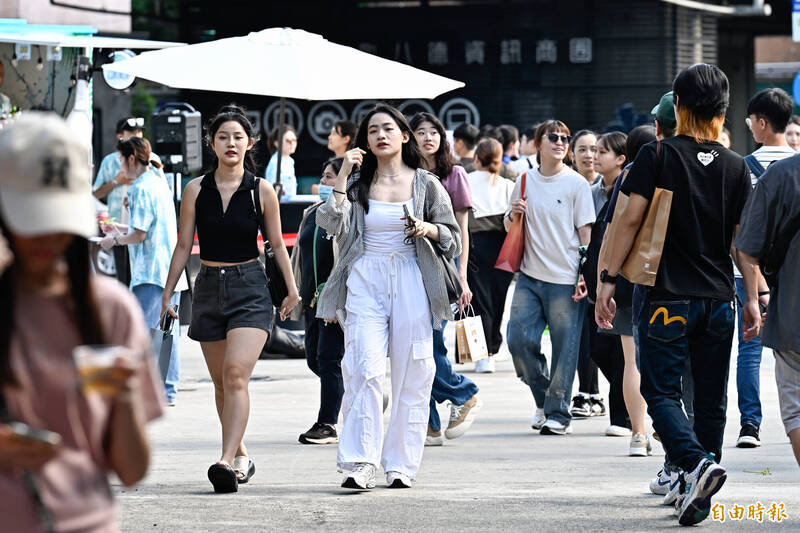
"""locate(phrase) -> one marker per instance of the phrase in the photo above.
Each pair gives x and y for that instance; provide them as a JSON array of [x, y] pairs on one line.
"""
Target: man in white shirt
[[527, 151], [768, 114]]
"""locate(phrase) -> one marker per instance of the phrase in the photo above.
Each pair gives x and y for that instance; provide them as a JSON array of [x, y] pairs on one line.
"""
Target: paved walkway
[[500, 476]]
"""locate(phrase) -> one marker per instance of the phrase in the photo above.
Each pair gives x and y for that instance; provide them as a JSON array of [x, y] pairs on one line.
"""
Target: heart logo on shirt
[[705, 158]]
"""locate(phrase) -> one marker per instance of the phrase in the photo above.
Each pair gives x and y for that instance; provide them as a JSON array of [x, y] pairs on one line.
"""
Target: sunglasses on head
[[135, 122], [555, 137]]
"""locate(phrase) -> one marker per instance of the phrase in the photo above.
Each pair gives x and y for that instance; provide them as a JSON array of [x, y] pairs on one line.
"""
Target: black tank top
[[228, 237]]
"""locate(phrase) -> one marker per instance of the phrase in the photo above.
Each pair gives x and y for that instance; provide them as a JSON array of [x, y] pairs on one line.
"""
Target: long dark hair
[[86, 311], [443, 158], [411, 153], [234, 113]]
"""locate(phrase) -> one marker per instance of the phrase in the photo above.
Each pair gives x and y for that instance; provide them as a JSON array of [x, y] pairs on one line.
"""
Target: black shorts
[[230, 297]]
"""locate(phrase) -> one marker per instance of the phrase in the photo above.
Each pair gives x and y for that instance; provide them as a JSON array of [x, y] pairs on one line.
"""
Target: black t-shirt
[[305, 240], [709, 185]]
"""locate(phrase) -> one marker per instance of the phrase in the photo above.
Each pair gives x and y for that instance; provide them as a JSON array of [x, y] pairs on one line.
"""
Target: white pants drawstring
[[386, 315]]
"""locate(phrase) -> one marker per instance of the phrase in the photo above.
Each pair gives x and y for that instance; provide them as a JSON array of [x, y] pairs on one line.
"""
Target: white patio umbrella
[[286, 63]]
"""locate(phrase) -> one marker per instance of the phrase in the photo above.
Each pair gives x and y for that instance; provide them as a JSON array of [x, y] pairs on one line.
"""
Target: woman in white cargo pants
[[386, 287]]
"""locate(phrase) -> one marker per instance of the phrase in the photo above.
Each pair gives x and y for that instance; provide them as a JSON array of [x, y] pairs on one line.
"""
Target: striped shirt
[[346, 222], [766, 155]]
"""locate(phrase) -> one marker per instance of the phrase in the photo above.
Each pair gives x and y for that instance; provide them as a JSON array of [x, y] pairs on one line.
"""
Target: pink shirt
[[457, 186], [74, 485]]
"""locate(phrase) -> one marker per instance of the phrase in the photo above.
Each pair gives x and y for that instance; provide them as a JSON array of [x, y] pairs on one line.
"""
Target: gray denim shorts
[[230, 297], [787, 376]]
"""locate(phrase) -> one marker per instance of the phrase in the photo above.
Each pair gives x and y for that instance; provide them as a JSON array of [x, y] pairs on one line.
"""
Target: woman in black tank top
[[231, 307]]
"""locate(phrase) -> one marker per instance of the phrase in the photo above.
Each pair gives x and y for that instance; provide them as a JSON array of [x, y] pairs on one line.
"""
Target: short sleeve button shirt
[[152, 211]]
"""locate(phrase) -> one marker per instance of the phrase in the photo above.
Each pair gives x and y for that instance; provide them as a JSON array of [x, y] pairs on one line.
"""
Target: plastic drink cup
[[94, 361]]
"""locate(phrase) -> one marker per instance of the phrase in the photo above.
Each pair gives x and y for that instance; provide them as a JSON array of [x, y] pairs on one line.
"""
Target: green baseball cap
[[665, 111]]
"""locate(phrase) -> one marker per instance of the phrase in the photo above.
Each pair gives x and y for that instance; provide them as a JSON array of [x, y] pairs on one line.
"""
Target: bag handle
[[256, 196], [466, 312]]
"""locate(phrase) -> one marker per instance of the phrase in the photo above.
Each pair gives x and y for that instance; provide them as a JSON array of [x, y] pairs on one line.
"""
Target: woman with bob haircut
[[386, 288], [448, 385], [558, 211], [689, 312], [231, 306]]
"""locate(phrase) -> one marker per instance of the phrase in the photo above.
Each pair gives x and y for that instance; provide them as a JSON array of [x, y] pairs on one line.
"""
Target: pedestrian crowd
[[405, 237]]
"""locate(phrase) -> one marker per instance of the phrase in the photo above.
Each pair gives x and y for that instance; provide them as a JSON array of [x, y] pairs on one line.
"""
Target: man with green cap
[[664, 114]]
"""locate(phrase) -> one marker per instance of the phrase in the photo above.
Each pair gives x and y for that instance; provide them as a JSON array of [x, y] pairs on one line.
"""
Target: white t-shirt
[[489, 198], [556, 207], [766, 155]]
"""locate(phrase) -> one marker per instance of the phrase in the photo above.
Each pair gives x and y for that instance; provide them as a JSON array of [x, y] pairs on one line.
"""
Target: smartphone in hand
[[23, 431]]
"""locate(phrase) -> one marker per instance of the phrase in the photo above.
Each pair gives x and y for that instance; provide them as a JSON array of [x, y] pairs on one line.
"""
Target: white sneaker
[[538, 419], [661, 483], [485, 365], [701, 484], [640, 446], [397, 480], [617, 431], [675, 488], [362, 477], [554, 427]]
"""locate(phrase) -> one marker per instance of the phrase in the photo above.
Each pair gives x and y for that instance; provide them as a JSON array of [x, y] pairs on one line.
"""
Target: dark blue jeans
[[672, 330], [537, 304], [748, 366], [447, 383], [324, 351]]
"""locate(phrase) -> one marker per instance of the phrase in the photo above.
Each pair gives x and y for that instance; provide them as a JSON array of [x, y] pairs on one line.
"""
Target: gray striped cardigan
[[346, 223]]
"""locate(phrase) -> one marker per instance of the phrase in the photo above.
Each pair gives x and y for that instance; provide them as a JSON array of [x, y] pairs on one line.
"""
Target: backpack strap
[[756, 168]]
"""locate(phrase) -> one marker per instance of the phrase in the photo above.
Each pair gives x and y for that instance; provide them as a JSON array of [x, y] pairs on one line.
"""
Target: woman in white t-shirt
[[491, 197], [550, 291]]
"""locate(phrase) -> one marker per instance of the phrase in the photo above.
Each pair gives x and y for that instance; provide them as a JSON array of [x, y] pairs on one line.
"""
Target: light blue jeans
[[149, 297], [748, 367], [537, 304]]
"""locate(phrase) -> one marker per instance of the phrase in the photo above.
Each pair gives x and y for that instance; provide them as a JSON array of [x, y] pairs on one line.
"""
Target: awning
[[84, 41]]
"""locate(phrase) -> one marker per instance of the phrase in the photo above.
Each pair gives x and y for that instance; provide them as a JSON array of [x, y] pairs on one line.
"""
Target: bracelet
[[763, 293], [339, 192], [116, 240]]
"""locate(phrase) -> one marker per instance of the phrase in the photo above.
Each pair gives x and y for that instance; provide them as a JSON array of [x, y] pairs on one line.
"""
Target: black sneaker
[[581, 407], [748, 437], [320, 434], [598, 407]]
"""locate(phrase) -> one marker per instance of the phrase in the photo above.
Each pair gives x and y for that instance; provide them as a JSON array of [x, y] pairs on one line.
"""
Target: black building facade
[[598, 64]]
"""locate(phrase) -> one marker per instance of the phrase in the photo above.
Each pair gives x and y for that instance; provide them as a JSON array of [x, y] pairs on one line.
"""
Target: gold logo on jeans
[[666, 317]]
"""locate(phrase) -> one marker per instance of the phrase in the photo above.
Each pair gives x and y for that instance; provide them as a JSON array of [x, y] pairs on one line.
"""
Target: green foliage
[[143, 104]]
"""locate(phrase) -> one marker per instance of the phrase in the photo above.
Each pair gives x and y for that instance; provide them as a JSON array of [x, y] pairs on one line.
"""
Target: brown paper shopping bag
[[641, 265], [470, 340]]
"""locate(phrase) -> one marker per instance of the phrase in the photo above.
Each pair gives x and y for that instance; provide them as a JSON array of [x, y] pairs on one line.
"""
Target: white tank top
[[384, 228]]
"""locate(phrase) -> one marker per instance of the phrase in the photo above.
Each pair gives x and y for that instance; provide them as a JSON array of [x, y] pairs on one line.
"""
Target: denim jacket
[[346, 223]]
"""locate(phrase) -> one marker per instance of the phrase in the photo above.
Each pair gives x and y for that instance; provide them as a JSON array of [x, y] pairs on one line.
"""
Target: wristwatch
[[116, 240], [605, 277]]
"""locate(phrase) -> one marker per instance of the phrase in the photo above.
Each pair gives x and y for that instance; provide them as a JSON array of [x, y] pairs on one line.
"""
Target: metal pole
[[281, 125]]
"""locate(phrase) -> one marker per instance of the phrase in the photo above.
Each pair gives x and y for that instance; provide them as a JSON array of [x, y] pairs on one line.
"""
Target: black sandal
[[223, 477], [244, 467]]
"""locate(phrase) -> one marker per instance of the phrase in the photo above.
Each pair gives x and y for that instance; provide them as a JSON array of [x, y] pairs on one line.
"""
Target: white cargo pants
[[387, 314]]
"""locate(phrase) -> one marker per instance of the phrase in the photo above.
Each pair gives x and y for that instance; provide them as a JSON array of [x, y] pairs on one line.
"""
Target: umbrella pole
[[281, 124]]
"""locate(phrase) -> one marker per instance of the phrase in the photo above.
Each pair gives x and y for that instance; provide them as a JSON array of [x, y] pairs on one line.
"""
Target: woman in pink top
[[448, 384], [49, 304]]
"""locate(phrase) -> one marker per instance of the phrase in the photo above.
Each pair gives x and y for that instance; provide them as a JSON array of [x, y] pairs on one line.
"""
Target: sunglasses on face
[[748, 122], [555, 137], [135, 122]]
